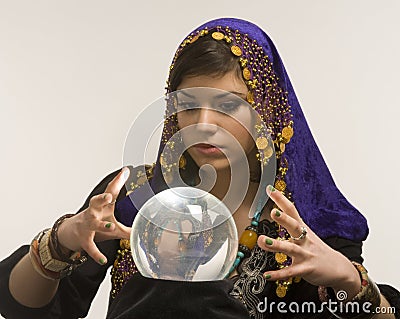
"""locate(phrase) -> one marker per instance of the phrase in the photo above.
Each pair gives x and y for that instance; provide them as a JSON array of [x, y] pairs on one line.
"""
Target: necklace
[[247, 242]]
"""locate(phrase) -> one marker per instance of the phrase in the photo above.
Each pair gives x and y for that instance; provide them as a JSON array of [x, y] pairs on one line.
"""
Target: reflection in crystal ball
[[184, 234]]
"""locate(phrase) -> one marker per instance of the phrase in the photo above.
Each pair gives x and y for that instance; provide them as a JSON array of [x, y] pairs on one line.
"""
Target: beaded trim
[[141, 177], [124, 267]]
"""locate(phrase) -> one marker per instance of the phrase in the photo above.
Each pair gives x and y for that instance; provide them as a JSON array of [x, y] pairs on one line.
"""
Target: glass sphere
[[184, 234]]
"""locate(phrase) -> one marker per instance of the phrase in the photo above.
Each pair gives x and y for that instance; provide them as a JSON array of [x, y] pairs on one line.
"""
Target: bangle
[[45, 262], [46, 257], [369, 292], [362, 306], [74, 258], [54, 238], [36, 260]]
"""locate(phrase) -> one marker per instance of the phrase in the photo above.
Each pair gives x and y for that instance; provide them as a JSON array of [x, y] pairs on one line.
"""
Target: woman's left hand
[[312, 259]]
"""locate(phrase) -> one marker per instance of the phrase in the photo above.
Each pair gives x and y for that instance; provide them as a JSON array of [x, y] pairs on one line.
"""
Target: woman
[[237, 57]]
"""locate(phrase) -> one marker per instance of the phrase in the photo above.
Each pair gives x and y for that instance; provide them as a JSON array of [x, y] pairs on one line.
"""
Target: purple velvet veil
[[320, 203]]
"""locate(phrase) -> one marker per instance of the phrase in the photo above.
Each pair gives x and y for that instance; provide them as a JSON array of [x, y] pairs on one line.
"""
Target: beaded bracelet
[[362, 306]]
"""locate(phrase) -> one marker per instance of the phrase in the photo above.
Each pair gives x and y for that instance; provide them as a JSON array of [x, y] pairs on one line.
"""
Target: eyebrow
[[186, 94], [240, 94]]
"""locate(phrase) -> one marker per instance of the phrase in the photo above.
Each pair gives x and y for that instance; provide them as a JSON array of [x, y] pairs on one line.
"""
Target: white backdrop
[[74, 75]]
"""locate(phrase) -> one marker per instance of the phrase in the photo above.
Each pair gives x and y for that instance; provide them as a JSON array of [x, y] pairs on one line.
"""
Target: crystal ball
[[184, 234]]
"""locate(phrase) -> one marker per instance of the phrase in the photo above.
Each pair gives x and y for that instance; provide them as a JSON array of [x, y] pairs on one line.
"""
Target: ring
[[302, 235], [113, 202]]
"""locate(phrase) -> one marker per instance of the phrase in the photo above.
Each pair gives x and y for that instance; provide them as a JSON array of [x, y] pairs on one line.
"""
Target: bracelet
[[42, 250], [46, 258], [362, 306], [368, 287], [36, 260], [54, 238], [74, 258]]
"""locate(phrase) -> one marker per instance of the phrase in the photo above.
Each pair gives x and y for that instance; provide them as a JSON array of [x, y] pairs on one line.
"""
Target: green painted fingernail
[[102, 261], [267, 276], [277, 213], [271, 188], [268, 241], [108, 225]]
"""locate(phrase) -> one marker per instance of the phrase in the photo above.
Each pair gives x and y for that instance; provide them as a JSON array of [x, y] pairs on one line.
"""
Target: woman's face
[[210, 120]]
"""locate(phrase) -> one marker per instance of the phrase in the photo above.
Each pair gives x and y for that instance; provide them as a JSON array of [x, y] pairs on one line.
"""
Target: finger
[[293, 226], [286, 272], [114, 187], [97, 202], [284, 246], [283, 203], [92, 250], [119, 232], [123, 232], [117, 228]]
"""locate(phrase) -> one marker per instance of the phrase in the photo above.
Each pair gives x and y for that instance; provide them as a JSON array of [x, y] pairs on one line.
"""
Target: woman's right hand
[[96, 223]]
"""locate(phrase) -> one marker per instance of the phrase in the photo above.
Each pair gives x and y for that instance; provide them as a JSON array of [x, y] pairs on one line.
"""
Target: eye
[[186, 105], [229, 106]]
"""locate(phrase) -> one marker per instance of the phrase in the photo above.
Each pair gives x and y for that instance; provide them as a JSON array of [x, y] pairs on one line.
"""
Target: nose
[[206, 120]]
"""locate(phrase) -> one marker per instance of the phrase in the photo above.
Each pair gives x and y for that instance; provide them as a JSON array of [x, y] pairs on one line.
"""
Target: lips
[[207, 149]]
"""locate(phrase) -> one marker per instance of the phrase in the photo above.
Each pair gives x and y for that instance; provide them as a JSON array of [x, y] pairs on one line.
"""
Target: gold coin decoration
[[287, 132], [250, 97], [217, 35], [280, 257], [281, 291], [268, 152], [236, 50], [246, 74], [261, 143], [182, 162], [297, 279], [280, 185], [282, 147]]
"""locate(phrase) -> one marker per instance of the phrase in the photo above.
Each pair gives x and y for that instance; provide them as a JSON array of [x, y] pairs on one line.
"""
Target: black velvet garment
[[148, 298]]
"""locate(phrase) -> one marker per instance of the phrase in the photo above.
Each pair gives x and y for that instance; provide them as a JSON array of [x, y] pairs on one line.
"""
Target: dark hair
[[211, 57], [205, 56]]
